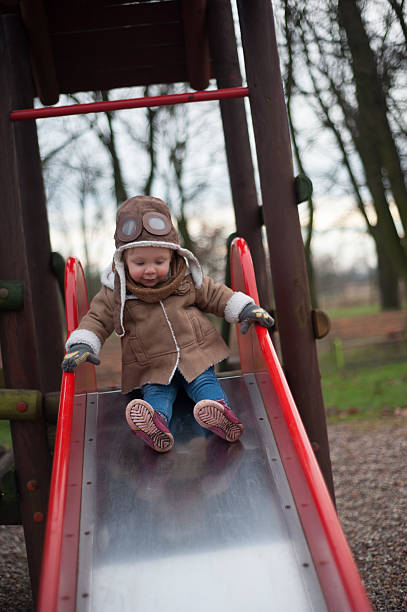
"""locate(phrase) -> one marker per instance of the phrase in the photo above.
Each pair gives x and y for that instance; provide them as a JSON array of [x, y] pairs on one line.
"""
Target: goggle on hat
[[144, 219], [130, 228]]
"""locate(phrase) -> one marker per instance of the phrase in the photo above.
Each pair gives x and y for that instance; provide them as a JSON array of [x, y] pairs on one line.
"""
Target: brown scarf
[[163, 289]]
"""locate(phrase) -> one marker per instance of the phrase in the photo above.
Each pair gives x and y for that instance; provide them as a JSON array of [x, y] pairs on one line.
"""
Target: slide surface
[[207, 526]]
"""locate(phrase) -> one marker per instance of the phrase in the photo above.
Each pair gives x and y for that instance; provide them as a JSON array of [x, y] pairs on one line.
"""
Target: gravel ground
[[369, 468], [15, 589], [371, 490]]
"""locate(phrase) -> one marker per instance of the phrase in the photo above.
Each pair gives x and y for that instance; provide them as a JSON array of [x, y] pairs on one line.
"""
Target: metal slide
[[207, 526]]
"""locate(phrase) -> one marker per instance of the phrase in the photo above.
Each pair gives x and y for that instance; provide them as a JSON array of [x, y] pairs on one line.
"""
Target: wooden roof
[[85, 45]]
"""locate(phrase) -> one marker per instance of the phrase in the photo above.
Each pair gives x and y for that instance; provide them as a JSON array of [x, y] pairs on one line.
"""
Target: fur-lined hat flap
[[145, 221]]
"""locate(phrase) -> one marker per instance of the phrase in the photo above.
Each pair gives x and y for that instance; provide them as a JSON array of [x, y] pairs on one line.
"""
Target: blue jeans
[[162, 397]]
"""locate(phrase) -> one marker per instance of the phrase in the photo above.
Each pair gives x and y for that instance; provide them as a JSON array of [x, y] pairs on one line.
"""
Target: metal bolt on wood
[[38, 517], [20, 404], [32, 485], [11, 295]]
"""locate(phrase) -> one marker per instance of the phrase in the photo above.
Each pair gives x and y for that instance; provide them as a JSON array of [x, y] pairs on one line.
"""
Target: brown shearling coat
[[160, 337]]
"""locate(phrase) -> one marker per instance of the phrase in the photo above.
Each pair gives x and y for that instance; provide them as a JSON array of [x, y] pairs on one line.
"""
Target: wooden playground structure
[[51, 48]]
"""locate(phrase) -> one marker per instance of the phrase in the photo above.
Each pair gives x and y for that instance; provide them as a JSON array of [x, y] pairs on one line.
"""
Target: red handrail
[[51, 559], [111, 105], [335, 537], [76, 304]]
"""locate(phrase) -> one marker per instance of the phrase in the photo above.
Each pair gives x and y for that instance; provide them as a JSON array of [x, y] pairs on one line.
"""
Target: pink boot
[[149, 425], [219, 418]]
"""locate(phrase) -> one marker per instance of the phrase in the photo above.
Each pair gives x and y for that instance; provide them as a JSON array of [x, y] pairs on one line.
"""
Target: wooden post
[[286, 249], [31, 338], [225, 61]]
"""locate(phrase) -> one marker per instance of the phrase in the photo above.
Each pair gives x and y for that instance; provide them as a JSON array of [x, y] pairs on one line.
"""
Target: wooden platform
[[105, 44]]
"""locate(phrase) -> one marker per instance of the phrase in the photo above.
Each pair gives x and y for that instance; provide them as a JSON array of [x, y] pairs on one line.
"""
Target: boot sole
[[139, 416], [211, 415]]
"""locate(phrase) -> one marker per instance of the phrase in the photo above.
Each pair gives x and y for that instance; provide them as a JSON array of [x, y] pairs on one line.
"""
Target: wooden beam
[[81, 16], [7, 5], [31, 338], [196, 42], [130, 45], [41, 54], [223, 49], [115, 49], [281, 218], [100, 79]]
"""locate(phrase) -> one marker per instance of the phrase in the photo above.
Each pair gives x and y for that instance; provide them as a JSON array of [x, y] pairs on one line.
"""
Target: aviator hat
[[146, 221]]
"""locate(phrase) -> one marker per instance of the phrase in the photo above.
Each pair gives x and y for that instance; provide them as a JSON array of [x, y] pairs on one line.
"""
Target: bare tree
[[106, 133], [148, 152], [350, 81], [399, 9]]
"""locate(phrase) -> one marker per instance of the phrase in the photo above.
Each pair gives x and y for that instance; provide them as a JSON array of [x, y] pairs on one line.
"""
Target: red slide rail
[[112, 105], [258, 355], [84, 380]]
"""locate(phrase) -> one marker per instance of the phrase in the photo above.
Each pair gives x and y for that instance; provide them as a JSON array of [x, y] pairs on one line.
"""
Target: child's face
[[148, 265]]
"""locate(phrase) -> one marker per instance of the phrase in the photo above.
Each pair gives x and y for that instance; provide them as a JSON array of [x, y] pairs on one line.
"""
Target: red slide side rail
[[243, 279], [84, 380], [112, 105]]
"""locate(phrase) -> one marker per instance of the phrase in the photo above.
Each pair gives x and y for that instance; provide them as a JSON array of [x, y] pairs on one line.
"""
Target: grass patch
[[368, 356], [5, 435], [366, 392], [358, 310], [343, 312]]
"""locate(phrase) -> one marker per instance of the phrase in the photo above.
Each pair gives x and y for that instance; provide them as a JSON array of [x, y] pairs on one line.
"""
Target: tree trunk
[[372, 105], [152, 117], [388, 237], [388, 281], [110, 143]]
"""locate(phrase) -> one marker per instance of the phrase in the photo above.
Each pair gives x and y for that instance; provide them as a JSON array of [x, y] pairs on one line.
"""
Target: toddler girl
[[154, 296]]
